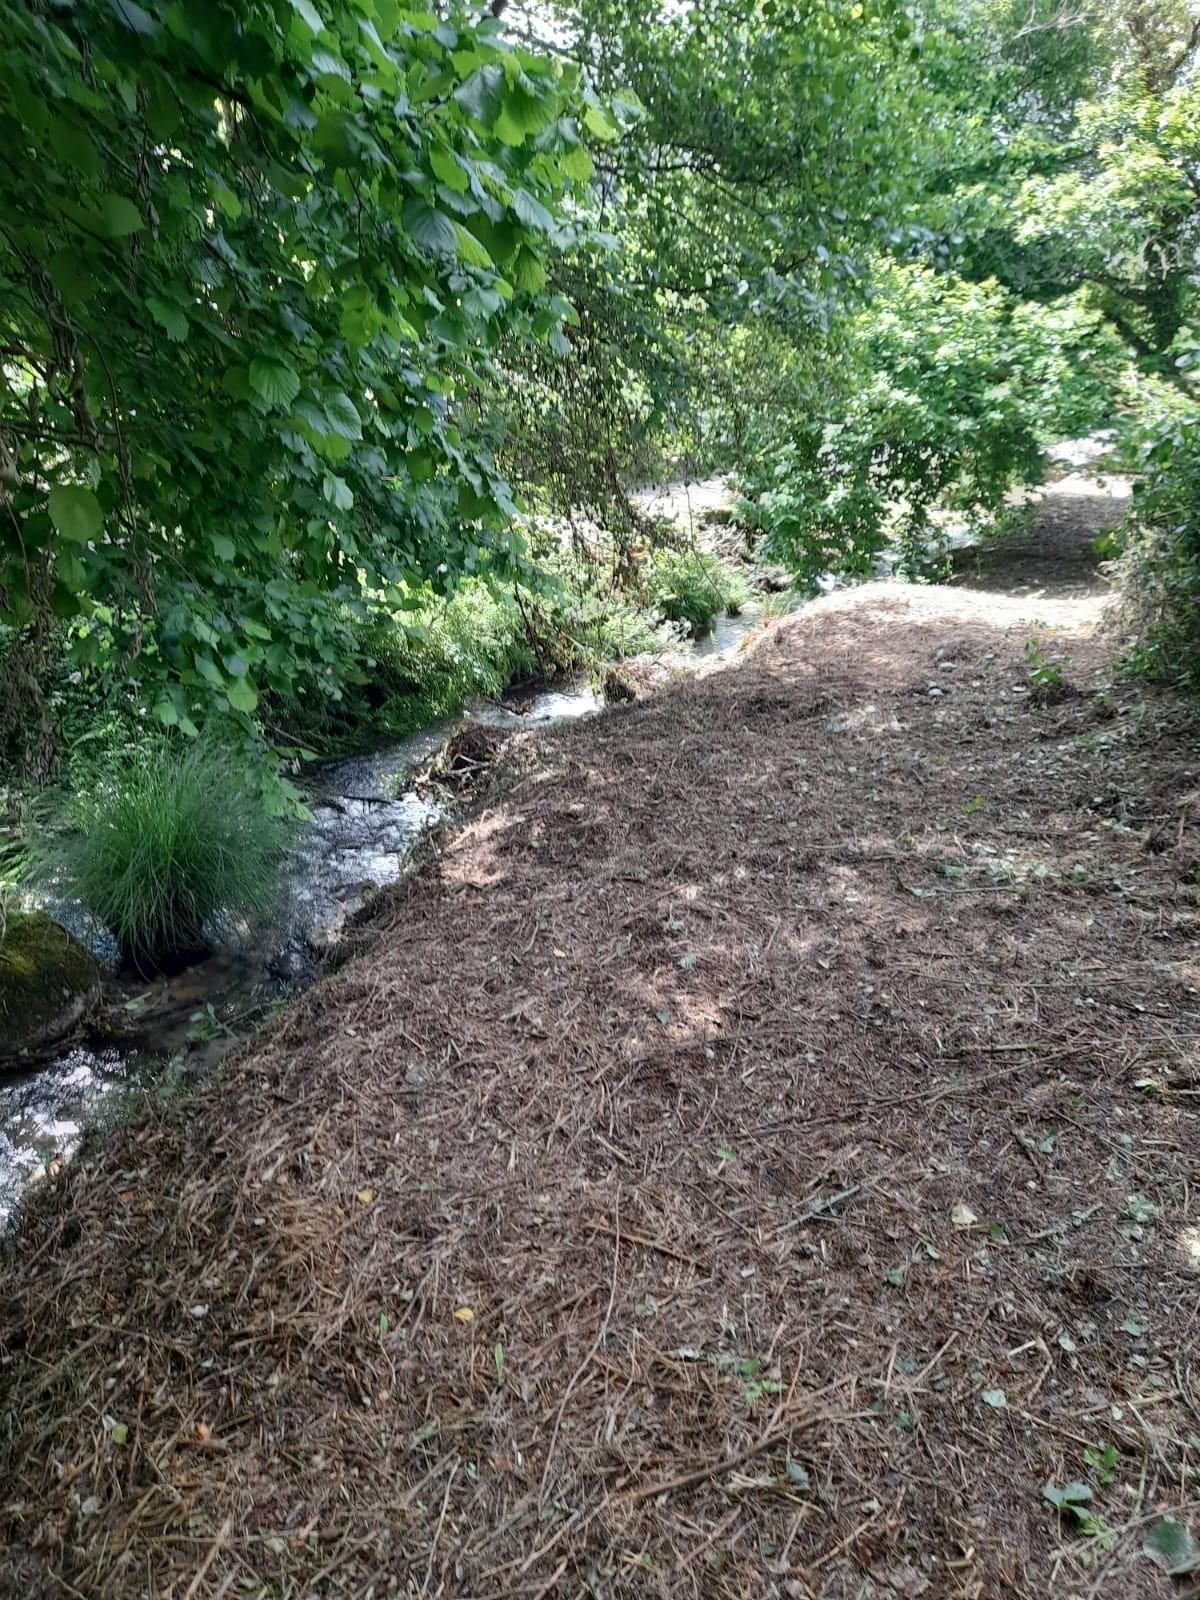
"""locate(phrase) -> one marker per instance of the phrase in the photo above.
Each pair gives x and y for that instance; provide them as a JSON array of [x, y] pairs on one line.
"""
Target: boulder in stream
[[48, 983]]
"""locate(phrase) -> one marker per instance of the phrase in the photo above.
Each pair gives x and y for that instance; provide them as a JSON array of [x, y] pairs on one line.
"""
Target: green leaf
[[241, 695], [309, 14], [168, 317], [447, 169], [277, 384], [481, 302], [208, 669], [1102, 1462], [525, 111], [431, 230], [344, 420], [1072, 1494], [532, 212], [528, 273], [228, 202], [1172, 1548], [599, 123], [166, 713], [361, 316], [480, 95], [120, 216], [469, 248], [223, 546], [135, 18], [75, 512], [328, 65], [337, 492], [120, 1433], [577, 164], [71, 276]]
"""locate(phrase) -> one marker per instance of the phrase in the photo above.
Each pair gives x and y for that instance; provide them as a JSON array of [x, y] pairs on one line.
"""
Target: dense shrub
[[168, 850], [948, 390], [246, 286], [576, 626], [413, 667], [1159, 569]]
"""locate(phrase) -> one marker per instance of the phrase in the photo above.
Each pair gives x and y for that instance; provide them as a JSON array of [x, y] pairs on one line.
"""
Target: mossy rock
[[48, 983]]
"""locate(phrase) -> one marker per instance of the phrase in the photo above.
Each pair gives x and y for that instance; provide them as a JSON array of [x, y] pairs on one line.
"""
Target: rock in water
[[48, 982]]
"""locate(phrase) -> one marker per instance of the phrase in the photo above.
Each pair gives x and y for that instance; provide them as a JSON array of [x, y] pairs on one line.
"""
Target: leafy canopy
[[253, 254]]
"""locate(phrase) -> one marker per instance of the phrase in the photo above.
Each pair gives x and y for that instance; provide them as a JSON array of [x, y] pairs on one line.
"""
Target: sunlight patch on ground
[[937, 604]]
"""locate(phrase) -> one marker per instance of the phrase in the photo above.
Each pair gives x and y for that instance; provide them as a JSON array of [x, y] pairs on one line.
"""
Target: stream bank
[[368, 815]]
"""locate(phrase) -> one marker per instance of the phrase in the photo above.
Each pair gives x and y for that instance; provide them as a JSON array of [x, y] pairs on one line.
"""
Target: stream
[[366, 819]]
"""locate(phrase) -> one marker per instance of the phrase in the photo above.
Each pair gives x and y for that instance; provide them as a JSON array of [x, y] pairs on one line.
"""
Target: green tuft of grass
[[169, 848], [690, 587]]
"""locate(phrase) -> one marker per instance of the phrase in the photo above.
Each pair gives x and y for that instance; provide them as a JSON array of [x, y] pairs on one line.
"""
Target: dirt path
[[754, 1158]]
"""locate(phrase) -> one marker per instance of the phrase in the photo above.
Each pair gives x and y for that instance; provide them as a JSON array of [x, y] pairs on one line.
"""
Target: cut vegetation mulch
[[754, 1157]]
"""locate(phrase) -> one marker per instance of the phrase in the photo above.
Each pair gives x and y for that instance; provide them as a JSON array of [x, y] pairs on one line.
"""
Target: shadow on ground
[[1055, 555]]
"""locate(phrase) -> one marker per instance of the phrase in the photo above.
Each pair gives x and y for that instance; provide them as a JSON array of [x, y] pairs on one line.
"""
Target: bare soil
[[754, 1157]]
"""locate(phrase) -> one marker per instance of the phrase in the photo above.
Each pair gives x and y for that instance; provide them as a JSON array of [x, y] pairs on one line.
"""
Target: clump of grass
[[1044, 675], [690, 587], [168, 849]]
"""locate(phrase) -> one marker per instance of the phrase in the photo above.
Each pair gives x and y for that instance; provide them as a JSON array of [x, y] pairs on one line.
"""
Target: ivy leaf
[[277, 384], [75, 512], [120, 216]]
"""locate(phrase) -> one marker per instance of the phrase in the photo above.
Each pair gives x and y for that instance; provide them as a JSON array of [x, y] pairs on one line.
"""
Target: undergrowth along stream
[[368, 814]]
